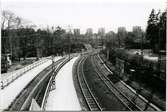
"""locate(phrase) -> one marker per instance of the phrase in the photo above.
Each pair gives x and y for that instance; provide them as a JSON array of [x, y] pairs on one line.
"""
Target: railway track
[[142, 101], [91, 100], [48, 87], [32, 90], [118, 94]]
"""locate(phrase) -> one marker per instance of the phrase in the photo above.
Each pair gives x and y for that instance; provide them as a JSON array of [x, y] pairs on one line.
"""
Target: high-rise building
[[76, 34], [76, 31], [110, 36], [121, 29], [121, 35], [137, 31], [89, 33], [101, 31]]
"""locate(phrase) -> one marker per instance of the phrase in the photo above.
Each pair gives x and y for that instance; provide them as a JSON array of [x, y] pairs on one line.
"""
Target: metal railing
[[44, 101], [8, 78]]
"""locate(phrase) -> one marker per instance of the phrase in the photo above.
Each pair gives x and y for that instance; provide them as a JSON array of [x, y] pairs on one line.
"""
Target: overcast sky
[[83, 14]]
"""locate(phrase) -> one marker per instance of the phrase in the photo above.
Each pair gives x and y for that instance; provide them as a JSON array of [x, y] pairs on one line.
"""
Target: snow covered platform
[[64, 97], [9, 93]]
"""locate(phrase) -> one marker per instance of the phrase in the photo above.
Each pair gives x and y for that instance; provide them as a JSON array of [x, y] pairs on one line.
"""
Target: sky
[[83, 14]]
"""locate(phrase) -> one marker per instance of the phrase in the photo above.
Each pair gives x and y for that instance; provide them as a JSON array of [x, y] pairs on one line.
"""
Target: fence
[[8, 78]]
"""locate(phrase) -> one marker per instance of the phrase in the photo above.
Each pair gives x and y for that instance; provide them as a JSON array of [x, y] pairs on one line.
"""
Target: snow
[[146, 54], [9, 93], [64, 97], [8, 75], [151, 58]]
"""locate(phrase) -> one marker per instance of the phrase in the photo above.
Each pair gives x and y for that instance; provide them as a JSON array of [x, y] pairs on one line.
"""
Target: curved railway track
[[91, 100], [144, 101], [118, 94], [23, 100]]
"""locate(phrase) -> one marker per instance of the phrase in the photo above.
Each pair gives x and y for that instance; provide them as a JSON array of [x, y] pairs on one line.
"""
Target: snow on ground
[[7, 75], [64, 97], [151, 58], [9, 93], [147, 54]]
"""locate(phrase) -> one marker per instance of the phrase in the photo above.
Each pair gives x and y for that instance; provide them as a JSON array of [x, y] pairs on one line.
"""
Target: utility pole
[[69, 39], [142, 47], [119, 40], [52, 64], [10, 41], [38, 51], [102, 41], [108, 54], [159, 51], [69, 46], [52, 50], [53, 80]]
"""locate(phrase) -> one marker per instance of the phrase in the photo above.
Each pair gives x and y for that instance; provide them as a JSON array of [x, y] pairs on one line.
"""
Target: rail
[[119, 95], [91, 100], [44, 101], [132, 90], [23, 100]]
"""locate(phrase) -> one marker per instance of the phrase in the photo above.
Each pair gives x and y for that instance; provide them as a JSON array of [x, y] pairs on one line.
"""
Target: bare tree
[[10, 21], [18, 21], [8, 18]]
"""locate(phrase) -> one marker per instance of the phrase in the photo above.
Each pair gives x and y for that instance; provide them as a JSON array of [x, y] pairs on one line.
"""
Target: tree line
[[26, 42], [156, 30], [153, 38], [21, 40]]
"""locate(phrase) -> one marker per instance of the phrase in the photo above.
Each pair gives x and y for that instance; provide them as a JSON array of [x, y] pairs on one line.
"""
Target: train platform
[[64, 96]]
